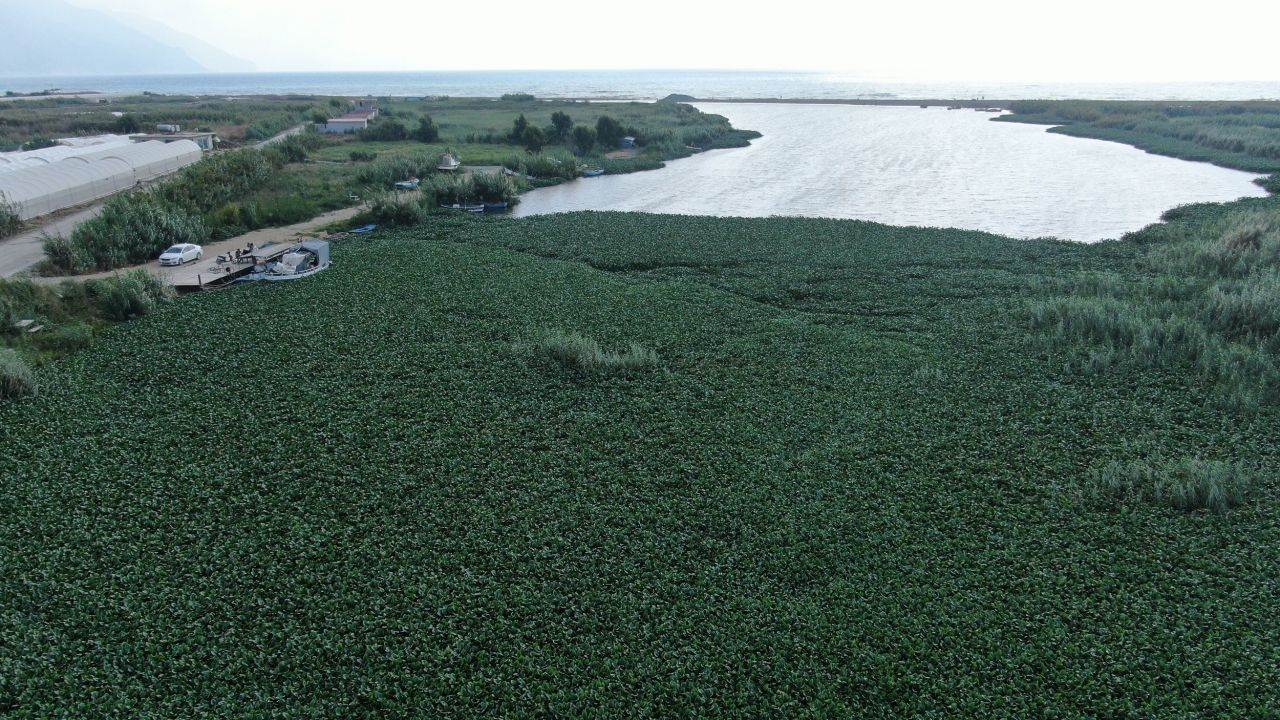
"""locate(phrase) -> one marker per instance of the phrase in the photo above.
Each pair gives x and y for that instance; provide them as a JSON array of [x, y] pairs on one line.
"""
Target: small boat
[[468, 207], [500, 205], [448, 162], [592, 172], [410, 184], [364, 229], [302, 260]]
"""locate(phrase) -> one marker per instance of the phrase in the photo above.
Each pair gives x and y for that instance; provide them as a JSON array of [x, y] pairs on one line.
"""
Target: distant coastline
[[643, 85]]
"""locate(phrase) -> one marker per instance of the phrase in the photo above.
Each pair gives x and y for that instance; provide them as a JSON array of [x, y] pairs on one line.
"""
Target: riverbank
[[309, 174]]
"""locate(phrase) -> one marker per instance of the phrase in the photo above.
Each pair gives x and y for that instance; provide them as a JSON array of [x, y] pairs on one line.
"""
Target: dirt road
[[22, 252], [259, 238]]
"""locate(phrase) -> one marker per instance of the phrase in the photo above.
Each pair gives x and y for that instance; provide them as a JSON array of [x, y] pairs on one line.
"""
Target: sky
[[926, 40]]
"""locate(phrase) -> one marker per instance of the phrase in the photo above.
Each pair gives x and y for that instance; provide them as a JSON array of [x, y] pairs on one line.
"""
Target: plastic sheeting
[[47, 187], [71, 147]]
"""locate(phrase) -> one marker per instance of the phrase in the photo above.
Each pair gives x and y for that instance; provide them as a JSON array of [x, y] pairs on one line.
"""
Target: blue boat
[[364, 229], [500, 205], [593, 172]]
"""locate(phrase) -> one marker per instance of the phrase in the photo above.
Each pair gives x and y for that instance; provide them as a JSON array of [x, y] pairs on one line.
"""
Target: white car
[[179, 254]]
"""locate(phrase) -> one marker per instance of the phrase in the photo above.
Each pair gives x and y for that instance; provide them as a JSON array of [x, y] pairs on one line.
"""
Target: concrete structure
[[168, 128], [342, 126], [47, 187], [350, 122]]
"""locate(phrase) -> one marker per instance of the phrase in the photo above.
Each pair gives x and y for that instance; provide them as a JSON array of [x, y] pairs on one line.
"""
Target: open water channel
[[911, 166]]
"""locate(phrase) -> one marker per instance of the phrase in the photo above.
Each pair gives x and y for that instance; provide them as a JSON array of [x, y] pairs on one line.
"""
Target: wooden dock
[[203, 276]]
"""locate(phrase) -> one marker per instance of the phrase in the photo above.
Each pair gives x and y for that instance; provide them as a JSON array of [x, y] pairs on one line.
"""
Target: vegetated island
[[619, 464]]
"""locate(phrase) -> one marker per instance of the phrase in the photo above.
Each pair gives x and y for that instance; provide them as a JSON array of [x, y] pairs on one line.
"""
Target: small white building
[[342, 126]]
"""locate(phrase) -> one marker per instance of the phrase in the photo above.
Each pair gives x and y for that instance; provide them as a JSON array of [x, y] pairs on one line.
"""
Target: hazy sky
[[1016, 40]]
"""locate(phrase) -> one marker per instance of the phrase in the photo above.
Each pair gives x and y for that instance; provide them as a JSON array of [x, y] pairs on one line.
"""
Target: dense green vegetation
[[1205, 296], [10, 223], [851, 480], [188, 208], [236, 121], [1240, 135], [69, 315]]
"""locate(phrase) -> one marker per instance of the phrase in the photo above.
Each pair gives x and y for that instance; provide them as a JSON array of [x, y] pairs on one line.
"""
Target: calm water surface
[[909, 166]]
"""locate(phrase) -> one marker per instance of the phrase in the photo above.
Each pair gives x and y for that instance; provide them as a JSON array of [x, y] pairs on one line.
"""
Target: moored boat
[[303, 259]]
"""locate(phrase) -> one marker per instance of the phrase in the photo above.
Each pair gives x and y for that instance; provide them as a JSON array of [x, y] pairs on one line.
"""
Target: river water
[[911, 166]]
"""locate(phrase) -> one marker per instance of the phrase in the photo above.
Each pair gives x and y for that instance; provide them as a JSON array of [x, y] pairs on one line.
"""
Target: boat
[[468, 207], [592, 172], [500, 205], [449, 162], [410, 184], [303, 259], [364, 229]]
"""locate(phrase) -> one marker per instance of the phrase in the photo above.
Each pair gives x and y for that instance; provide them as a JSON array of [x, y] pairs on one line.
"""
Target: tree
[[562, 123], [518, 128], [387, 130], [533, 139], [427, 131], [583, 138], [319, 116], [608, 131], [126, 124]]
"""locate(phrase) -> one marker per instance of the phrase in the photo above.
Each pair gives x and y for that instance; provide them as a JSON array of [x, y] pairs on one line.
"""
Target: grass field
[[846, 476]]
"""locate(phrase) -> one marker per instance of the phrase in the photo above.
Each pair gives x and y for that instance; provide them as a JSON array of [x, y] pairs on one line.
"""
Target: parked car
[[179, 254]]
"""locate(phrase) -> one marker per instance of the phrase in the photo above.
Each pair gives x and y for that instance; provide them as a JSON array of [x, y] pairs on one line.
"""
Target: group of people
[[245, 253]]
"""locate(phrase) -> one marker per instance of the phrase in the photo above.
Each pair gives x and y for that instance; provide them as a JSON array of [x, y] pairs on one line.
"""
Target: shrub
[[65, 257], [65, 338], [1185, 484], [16, 379], [583, 139], [131, 228], [128, 295], [360, 156], [392, 210], [609, 132], [10, 223], [427, 131], [296, 148], [390, 170], [544, 165], [387, 130], [584, 355]]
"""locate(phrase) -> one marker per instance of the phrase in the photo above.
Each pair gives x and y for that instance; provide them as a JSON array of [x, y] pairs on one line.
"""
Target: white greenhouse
[[60, 180]]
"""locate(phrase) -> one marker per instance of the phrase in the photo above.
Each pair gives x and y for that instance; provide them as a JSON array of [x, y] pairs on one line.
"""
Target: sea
[[632, 85]]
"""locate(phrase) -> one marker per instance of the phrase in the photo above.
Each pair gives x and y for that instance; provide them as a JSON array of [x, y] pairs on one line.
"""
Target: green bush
[[584, 355], [548, 165], [128, 295], [16, 378], [1185, 484], [65, 338], [390, 170], [391, 210], [10, 223], [359, 156]]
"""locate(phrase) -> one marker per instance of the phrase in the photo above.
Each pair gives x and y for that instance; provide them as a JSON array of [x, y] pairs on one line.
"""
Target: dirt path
[[259, 238], [22, 252]]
